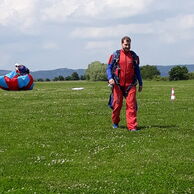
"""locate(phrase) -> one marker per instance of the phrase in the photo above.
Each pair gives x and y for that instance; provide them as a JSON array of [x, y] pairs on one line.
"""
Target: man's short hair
[[126, 38]]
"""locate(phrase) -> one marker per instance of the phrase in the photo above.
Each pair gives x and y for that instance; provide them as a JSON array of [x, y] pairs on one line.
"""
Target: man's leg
[[117, 104], [131, 109]]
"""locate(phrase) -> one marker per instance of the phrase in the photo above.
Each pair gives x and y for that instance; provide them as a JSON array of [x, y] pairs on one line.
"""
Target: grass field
[[55, 140]]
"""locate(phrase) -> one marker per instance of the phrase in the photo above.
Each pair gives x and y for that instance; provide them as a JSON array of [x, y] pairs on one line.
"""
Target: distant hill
[[165, 69], [55, 73], [3, 72], [50, 74]]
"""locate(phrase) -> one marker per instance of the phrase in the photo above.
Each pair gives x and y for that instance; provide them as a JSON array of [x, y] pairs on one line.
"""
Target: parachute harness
[[116, 72]]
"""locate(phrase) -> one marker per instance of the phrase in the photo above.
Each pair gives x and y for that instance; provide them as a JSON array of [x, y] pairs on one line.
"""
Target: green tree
[[56, 79], [82, 77], [61, 78], [96, 71], [178, 73], [191, 75], [68, 78], [74, 76], [40, 80], [149, 71]]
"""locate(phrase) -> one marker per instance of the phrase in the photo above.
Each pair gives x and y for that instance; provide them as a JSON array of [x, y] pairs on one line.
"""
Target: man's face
[[126, 45]]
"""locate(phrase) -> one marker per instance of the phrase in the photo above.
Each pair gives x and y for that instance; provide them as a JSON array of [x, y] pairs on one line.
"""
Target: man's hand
[[111, 81], [140, 88]]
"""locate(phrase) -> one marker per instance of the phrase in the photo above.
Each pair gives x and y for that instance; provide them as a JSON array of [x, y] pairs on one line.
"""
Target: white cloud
[[175, 29], [50, 45], [126, 8], [4, 58], [93, 28], [169, 30], [190, 52], [20, 16], [17, 11], [186, 21], [99, 45], [112, 31], [25, 15], [61, 10], [28, 12]]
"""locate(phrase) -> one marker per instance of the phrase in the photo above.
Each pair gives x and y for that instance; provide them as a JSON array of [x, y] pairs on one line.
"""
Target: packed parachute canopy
[[19, 79]]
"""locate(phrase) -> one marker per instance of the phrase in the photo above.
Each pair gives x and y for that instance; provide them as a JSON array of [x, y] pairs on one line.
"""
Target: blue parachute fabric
[[3, 83], [23, 81], [31, 87], [11, 74], [14, 81]]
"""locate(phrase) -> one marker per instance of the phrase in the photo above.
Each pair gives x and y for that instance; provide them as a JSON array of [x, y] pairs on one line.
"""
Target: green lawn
[[56, 140]]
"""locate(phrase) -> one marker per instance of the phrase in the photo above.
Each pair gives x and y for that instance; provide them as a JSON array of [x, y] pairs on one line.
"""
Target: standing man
[[123, 73]]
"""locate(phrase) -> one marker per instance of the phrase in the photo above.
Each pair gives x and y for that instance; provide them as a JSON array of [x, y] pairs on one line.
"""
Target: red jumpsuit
[[127, 74]]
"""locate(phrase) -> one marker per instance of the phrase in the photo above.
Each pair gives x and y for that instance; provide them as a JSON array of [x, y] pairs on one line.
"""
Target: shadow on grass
[[149, 127], [122, 127], [157, 126]]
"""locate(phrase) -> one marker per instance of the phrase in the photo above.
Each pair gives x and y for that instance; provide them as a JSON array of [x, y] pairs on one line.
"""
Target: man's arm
[[109, 71]]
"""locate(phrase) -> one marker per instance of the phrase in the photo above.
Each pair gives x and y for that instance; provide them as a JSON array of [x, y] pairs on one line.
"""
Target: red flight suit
[[127, 74]]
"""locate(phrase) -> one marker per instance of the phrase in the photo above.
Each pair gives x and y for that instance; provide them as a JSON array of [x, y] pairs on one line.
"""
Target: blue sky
[[51, 34]]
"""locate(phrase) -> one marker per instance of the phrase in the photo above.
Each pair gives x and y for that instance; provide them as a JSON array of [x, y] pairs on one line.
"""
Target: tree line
[[73, 76], [96, 71]]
